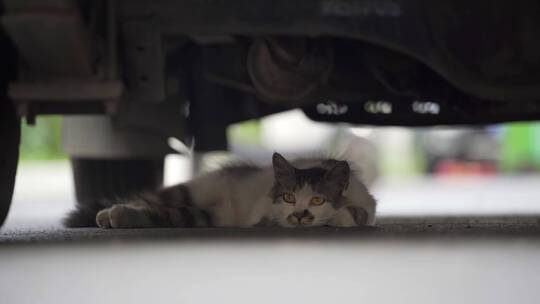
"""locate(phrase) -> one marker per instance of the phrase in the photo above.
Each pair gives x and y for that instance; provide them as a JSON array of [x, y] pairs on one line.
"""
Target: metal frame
[[58, 73], [483, 85]]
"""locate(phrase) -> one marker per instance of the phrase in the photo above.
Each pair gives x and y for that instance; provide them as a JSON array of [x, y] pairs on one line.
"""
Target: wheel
[[10, 127], [114, 178], [10, 134]]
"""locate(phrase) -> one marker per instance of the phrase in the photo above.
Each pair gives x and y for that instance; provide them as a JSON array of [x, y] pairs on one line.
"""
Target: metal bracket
[[144, 61], [59, 73]]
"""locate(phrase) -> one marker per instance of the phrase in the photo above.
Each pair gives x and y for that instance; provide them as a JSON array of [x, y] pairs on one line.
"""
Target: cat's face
[[307, 197]]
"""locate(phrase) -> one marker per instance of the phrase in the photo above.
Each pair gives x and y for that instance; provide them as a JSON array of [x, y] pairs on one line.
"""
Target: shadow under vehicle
[[130, 74]]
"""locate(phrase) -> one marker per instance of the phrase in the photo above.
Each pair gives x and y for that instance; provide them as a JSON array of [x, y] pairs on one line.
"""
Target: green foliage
[[42, 141], [520, 147], [245, 133]]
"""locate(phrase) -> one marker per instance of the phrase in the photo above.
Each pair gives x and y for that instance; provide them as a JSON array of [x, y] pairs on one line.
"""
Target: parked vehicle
[[132, 73]]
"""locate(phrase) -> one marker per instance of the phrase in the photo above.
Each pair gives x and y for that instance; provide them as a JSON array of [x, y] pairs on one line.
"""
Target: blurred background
[[400, 152], [413, 172]]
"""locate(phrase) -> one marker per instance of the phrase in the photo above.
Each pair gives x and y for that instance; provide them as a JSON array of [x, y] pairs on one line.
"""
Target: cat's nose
[[300, 214], [301, 218]]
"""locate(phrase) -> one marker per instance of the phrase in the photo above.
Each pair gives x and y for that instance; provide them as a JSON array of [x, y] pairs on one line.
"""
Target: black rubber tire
[[115, 178], [10, 127], [10, 134]]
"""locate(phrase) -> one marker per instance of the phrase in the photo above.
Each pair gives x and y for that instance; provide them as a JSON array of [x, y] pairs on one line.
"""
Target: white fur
[[244, 201]]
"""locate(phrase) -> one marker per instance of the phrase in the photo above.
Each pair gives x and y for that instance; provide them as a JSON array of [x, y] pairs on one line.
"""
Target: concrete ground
[[438, 241]]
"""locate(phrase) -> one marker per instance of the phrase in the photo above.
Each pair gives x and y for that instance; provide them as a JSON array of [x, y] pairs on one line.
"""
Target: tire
[[10, 127], [115, 178], [10, 134]]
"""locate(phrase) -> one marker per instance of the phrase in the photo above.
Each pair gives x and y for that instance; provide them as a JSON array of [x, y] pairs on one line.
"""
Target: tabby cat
[[305, 192]]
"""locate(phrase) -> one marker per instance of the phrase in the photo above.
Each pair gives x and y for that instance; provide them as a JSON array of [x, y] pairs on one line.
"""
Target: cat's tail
[[84, 214]]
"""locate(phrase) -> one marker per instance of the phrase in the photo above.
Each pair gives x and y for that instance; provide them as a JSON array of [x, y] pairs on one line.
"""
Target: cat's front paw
[[359, 215], [102, 219], [122, 216]]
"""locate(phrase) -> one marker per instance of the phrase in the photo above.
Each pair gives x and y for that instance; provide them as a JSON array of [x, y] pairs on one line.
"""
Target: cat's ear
[[336, 179], [284, 172]]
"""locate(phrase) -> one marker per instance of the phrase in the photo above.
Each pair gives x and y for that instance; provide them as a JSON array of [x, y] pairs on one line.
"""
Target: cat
[[301, 193]]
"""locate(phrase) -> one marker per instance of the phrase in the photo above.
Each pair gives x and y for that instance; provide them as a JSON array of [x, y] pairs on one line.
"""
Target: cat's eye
[[289, 198], [317, 201]]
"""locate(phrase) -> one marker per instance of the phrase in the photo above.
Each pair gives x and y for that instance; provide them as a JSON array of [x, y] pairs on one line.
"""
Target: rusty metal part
[[62, 69], [52, 41], [285, 70]]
